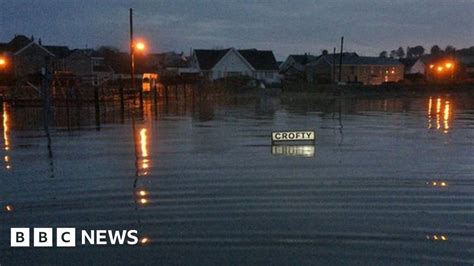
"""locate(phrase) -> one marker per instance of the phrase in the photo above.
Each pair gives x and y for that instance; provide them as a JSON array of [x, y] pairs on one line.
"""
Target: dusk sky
[[282, 26]]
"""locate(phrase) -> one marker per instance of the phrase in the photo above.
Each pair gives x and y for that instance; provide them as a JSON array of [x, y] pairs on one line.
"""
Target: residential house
[[217, 64], [293, 68], [60, 53], [354, 69], [26, 56], [415, 69], [414, 66], [89, 66]]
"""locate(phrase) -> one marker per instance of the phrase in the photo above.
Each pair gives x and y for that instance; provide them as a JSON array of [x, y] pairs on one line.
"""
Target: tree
[[393, 54], [415, 52], [435, 50], [383, 54], [450, 49], [400, 52]]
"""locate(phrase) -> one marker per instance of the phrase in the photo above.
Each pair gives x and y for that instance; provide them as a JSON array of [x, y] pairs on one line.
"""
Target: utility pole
[[334, 65], [132, 60], [340, 59]]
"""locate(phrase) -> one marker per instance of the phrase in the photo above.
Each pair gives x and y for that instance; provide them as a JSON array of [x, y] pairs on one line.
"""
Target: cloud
[[283, 26]]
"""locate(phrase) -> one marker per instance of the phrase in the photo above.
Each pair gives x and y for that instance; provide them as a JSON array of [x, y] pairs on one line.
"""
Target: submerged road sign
[[293, 136]]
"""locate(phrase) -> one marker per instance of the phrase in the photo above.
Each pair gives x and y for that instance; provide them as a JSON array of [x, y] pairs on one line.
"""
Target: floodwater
[[388, 181]]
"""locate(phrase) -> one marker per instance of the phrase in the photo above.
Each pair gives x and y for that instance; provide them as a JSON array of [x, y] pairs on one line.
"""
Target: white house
[[216, 64], [414, 65]]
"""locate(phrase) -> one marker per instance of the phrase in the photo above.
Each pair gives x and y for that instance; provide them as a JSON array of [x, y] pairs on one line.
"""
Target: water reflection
[[293, 150], [6, 136], [142, 196], [142, 156], [8, 208], [144, 150], [438, 183], [437, 237], [144, 241], [442, 108]]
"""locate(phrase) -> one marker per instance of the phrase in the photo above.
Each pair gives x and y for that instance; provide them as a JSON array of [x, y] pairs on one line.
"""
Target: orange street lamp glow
[[431, 66], [140, 46], [3, 61], [440, 69], [449, 65]]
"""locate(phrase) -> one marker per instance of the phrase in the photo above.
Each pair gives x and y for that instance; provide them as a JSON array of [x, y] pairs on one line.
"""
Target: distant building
[[414, 66], [217, 64], [26, 57], [293, 68], [89, 66], [355, 69], [60, 52]]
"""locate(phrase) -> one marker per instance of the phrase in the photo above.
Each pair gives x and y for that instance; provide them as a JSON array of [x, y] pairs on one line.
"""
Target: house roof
[[260, 60], [408, 62], [303, 59], [18, 43], [207, 59], [87, 52], [33, 44], [355, 59], [58, 51]]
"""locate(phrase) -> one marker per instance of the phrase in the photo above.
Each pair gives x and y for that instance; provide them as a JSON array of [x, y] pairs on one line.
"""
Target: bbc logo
[[42, 237]]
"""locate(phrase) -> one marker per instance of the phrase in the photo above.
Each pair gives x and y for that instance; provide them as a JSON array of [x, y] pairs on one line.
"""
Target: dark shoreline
[[305, 90]]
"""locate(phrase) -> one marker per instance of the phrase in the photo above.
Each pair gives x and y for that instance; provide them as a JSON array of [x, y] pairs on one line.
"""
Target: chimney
[[39, 41]]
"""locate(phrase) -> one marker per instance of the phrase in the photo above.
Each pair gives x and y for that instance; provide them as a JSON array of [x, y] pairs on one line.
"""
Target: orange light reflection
[[446, 117], [440, 110], [430, 106], [6, 138]]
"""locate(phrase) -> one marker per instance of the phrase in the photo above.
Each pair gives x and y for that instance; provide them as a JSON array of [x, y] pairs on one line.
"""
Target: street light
[[139, 46], [136, 47], [3, 62]]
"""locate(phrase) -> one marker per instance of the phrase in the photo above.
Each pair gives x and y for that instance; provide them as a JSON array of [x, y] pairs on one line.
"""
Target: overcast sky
[[282, 26]]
